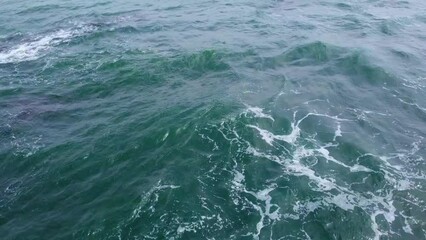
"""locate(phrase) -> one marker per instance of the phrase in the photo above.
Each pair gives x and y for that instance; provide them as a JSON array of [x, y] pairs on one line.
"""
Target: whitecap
[[37, 47]]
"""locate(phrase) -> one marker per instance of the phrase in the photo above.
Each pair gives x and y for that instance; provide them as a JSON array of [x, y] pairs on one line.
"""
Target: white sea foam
[[204, 136], [258, 112], [263, 196], [347, 199], [338, 132], [333, 193], [146, 197], [38, 46], [27, 146]]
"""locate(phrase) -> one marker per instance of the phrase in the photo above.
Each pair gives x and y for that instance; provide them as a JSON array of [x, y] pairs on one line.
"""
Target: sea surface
[[211, 119]]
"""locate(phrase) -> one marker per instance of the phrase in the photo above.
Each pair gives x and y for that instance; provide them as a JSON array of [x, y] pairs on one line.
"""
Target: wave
[[330, 60]]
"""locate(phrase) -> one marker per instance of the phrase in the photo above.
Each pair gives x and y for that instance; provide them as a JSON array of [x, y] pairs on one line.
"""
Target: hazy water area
[[213, 119]]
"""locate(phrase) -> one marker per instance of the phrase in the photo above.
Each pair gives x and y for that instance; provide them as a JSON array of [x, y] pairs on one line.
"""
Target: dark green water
[[213, 119]]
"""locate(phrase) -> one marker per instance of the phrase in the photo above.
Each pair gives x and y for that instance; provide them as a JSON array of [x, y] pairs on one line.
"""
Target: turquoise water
[[212, 119]]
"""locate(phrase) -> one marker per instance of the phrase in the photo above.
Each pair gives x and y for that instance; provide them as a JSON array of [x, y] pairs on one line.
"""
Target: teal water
[[212, 119]]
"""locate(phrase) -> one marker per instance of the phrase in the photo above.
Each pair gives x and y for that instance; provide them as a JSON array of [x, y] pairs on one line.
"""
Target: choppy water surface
[[213, 119]]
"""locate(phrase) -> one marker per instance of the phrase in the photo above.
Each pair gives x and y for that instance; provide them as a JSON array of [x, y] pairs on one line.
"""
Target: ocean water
[[213, 119]]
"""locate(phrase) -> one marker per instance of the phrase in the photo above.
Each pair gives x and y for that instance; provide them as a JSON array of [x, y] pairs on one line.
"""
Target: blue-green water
[[213, 119]]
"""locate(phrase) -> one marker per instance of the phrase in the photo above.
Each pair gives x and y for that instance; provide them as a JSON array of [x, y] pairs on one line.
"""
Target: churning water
[[211, 119]]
